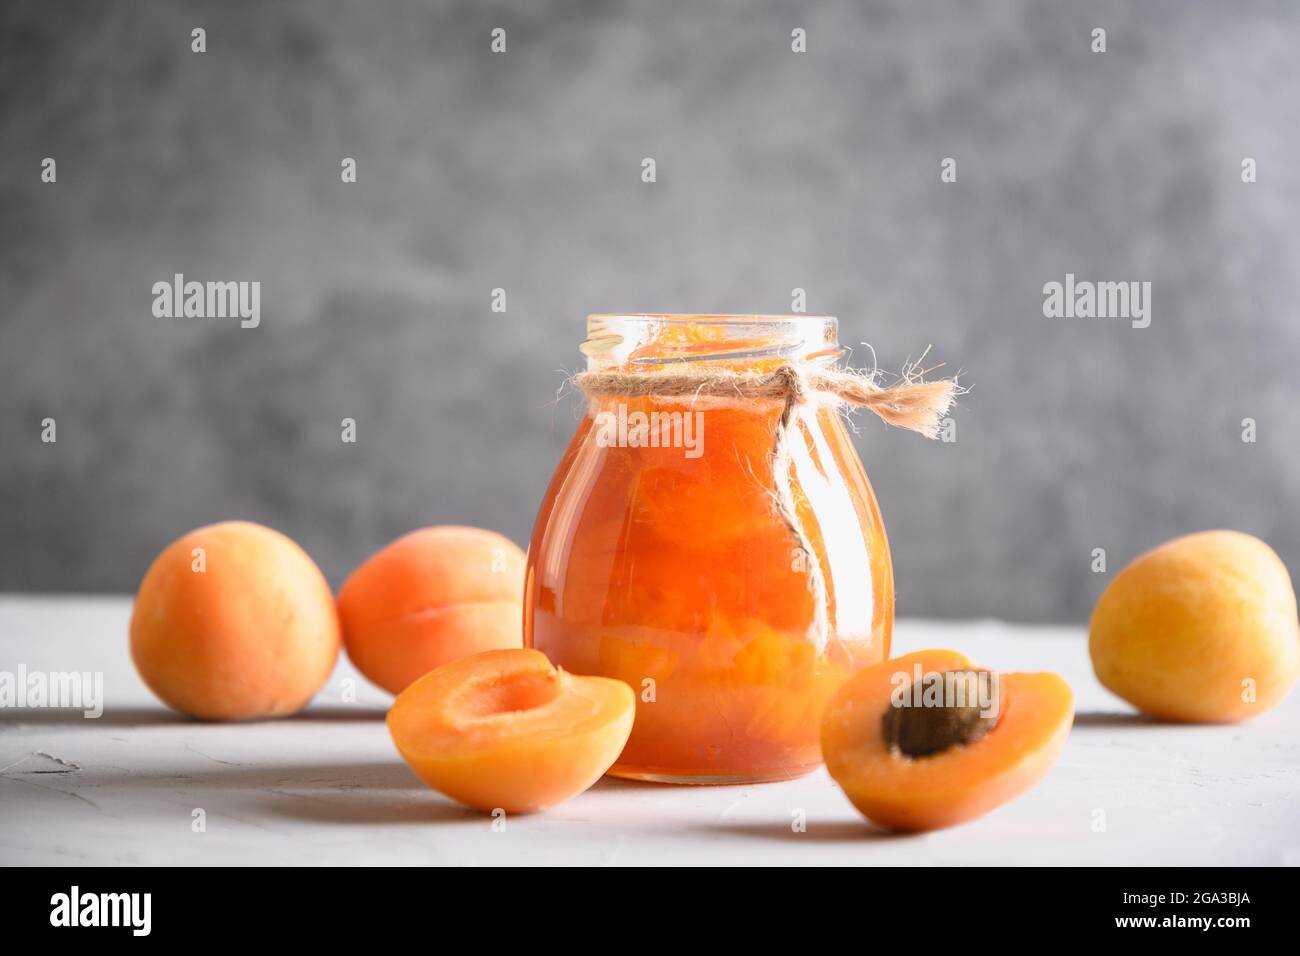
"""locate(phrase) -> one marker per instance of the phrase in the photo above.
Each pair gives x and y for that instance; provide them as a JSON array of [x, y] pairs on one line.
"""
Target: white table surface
[[328, 788]]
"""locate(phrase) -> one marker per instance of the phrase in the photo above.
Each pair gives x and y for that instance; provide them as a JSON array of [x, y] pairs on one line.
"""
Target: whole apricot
[[234, 621], [429, 598], [1201, 629]]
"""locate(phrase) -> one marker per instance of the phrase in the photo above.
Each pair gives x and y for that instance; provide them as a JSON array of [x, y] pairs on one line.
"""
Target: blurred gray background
[[776, 170]]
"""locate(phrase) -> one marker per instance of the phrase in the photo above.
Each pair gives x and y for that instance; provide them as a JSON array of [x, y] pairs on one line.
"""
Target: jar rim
[[713, 317], [639, 339]]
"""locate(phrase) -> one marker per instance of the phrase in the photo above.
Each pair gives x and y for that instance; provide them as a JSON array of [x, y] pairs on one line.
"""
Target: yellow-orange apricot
[[506, 730], [909, 759], [1203, 628], [234, 621], [430, 597]]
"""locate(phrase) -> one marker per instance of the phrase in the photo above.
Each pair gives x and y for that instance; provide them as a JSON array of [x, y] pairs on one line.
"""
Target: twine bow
[[910, 403]]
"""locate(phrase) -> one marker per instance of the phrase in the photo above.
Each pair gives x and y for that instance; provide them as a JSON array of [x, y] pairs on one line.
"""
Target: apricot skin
[[254, 634], [429, 598], [505, 730], [1183, 630]]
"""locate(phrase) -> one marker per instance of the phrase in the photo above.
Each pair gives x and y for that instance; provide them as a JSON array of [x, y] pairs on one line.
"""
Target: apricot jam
[[659, 557]]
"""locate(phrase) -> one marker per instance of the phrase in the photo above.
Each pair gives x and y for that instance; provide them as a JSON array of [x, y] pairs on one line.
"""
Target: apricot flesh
[[430, 597], [1201, 629], [234, 621], [505, 730], [985, 760]]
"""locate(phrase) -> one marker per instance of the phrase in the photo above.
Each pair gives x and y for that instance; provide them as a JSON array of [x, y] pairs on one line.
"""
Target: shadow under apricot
[[349, 808], [1098, 718], [846, 831], [226, 777], [610, 783], [116, 718], [119, 717]]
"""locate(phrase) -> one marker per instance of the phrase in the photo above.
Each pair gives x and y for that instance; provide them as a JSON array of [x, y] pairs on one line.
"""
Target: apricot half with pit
[[430, 597], [926, 740], [1203, 628], [506, 730]]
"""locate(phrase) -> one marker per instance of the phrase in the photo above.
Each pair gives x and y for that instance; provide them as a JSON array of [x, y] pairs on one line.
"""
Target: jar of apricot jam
[[659, 557]]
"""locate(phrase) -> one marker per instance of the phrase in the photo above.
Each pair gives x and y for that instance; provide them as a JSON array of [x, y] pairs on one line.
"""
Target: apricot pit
[[916, 730]]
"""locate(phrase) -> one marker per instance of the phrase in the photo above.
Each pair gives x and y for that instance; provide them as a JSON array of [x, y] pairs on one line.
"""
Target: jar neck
[[741, 342]]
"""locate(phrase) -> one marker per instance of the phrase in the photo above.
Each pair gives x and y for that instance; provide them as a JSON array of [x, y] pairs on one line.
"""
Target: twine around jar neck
[[911, 403]]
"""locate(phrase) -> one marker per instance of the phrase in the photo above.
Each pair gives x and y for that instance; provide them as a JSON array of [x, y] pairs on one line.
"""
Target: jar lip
[[656, 339], [712, 317]]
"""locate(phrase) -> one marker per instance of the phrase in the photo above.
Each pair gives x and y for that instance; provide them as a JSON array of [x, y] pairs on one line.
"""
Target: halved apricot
[[926, 741], [506, 730]]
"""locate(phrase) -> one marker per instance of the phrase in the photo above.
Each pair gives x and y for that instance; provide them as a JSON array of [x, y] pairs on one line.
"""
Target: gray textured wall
[[522, 171]]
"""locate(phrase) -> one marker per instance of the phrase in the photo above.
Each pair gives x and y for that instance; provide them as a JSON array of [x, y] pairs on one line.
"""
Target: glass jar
[[665, 563]]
